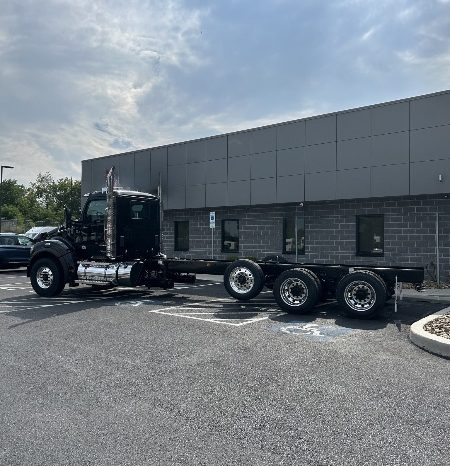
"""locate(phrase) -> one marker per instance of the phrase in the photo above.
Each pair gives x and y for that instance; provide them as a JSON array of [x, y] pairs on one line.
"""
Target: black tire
[[361, 294], [47, 277], [243, 279], [317, 280], [296, 290]]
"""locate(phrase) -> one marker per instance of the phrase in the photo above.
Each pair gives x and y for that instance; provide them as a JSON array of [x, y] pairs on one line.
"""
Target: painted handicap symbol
[[306, 329], [129, 303]]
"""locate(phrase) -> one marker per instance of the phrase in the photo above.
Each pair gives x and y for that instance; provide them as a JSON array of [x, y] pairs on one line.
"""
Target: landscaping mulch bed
[[439, 326]]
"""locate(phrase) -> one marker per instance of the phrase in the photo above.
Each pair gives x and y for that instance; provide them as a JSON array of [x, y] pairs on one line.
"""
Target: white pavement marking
[[25, 307], [186, 312]]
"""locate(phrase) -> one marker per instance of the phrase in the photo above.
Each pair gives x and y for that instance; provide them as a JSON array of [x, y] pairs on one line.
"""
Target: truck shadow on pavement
[[31, 308], [407, 313]]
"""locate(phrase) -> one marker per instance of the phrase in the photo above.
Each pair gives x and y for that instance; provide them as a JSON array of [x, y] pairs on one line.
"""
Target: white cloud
[[93, 77], [69, 65]]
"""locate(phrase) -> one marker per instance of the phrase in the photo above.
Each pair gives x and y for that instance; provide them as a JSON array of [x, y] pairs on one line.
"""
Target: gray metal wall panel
[[125, 170], [142, 171], [390, 149], [263, 165], [177, 154], [263, 140], [320, 186], [238, 193], [353, 183], [291, 188], [390, 118], [290, 162], [354, 153], [430, 111], [86, 177], [430, 144], [322, 129], [216, 171], [195, 173], [195, 151], [195, 196], [158, 169], [216, 195], [320, 158], [216, 148], [100, 168], [390, 144], [176, 175], [176, 198], [392, 180], [239, 144], [239, 168], [263, 191], [291, 135], [425, 177], [355, 124]]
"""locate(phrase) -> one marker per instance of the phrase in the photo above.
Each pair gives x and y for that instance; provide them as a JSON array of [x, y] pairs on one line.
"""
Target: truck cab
[[134, 220], [116, 237]]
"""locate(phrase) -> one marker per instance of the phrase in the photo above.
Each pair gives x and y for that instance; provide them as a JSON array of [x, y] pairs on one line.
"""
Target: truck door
[[94, 228]]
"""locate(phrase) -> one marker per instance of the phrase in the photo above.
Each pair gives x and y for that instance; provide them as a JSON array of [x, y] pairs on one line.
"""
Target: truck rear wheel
[[46, 278], [361, 294], [297, 290], [243, 279]]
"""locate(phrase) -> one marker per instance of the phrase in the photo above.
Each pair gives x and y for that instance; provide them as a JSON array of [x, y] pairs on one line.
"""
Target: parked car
[[14, 250], [33, 232]]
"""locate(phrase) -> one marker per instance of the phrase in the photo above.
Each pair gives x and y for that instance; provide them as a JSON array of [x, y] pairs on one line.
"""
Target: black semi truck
[[116, 242]]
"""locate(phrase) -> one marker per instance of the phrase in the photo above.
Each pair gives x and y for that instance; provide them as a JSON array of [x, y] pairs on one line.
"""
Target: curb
[[427, 297], [427, 341]]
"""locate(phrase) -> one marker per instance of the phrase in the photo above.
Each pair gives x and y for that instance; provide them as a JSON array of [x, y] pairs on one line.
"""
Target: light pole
[[1, 192]]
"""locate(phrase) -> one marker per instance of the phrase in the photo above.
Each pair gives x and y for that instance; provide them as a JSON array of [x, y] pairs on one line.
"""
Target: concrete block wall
[[330, 231]]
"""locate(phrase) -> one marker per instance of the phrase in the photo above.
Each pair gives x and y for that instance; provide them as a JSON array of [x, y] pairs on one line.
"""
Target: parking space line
[[177, 307], [188, 316], [189, 311], [25, 307]]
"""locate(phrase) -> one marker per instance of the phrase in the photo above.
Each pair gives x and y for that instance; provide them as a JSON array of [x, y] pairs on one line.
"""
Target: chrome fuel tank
[[99, 273]]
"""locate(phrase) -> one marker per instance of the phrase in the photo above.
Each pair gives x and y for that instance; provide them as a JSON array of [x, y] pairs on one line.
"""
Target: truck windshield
[[96, 210]]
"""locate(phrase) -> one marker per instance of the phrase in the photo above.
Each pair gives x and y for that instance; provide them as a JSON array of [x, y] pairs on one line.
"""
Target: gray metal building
[[367, 185]]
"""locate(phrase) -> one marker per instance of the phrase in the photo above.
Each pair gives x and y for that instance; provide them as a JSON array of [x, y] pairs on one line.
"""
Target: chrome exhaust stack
[[111, 220]]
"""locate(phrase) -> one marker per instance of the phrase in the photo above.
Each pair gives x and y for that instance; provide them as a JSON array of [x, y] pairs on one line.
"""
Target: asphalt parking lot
[[190, 376]]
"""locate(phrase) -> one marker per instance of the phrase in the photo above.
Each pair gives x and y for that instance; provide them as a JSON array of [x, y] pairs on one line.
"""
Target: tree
[[11, 192], [42, 202], [52, 196]]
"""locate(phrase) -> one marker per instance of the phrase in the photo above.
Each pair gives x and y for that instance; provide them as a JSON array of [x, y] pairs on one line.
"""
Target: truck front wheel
[[46, 278]]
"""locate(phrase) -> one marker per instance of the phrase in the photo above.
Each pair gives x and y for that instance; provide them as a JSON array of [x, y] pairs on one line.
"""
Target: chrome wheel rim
[[294, 292], [241, 280], [44, 277], [360, 296]]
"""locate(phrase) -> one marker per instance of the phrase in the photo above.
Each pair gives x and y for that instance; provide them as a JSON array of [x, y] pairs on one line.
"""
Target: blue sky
[[87, 78]]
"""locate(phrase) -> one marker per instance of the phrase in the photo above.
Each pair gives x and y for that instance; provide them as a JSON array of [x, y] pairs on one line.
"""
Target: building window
[[292, 242], [182, 236], [230, 235], [370, 235]]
